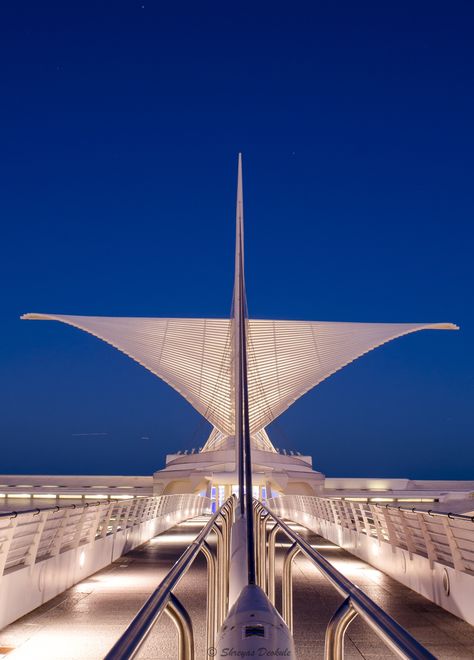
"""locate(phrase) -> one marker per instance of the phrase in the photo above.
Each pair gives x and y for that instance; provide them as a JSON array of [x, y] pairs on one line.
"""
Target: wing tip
[[32, 316], [444, 326]]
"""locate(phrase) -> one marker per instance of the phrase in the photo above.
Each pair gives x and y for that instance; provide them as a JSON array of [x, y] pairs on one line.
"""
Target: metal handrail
[[129, 643], [29, 537], [444, 538], [356, 601], [83, 505], [427, 512]]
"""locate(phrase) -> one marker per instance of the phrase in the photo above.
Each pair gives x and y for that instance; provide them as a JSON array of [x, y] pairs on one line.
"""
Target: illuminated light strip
[[415, 499]]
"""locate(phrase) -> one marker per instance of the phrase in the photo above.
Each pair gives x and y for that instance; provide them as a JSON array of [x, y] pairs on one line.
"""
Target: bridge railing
[[27, 537], [444, 537], [164, 600], [355, 603]]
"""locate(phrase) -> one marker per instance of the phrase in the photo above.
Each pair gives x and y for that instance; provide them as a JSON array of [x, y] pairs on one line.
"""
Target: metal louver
[[285, 358]]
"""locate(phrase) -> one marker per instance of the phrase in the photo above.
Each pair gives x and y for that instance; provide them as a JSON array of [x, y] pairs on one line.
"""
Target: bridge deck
[[83, 623], [315, 600]]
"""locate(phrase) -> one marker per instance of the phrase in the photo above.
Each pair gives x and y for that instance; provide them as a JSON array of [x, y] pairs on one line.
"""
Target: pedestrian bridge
[[349, 579], [254, 531]]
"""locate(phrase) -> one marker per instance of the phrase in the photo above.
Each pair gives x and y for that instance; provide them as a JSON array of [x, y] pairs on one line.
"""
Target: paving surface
[[84, 622]]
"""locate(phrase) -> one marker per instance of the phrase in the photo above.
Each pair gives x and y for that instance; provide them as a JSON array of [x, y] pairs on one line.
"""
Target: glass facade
[[219, 494]]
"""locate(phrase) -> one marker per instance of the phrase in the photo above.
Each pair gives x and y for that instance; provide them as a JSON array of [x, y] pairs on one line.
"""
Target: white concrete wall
[[414, 571], [22, 590]]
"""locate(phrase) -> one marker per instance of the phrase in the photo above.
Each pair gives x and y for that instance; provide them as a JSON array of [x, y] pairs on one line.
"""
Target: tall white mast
[[242, 426], [238, 307]]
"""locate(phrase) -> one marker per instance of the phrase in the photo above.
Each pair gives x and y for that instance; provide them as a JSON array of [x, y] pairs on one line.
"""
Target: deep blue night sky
[[120, 123]]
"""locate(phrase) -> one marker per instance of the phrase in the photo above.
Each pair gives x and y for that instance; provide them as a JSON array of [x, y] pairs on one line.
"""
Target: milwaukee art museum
[[195, 357], [395, 554]]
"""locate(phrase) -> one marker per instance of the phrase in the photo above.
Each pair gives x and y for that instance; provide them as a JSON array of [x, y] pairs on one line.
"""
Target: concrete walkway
[[84, 622]]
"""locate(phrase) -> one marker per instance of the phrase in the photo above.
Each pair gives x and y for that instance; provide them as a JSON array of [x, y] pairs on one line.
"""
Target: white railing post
[[391, 531], [355, 515], [333, 512], [126, 513], [143, 513], [58, 537], [347, 514], [363, 513], [106, 521], [94, 525], [30, 557], [407, 532], [430, 546], [7, 541], [377, 524], [458, 561], [132, 513], [118, 519], [149, 508], [79, 525]]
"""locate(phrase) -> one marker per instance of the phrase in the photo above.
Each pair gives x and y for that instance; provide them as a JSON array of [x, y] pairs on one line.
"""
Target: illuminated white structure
[[376, 519], [286, 359]]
